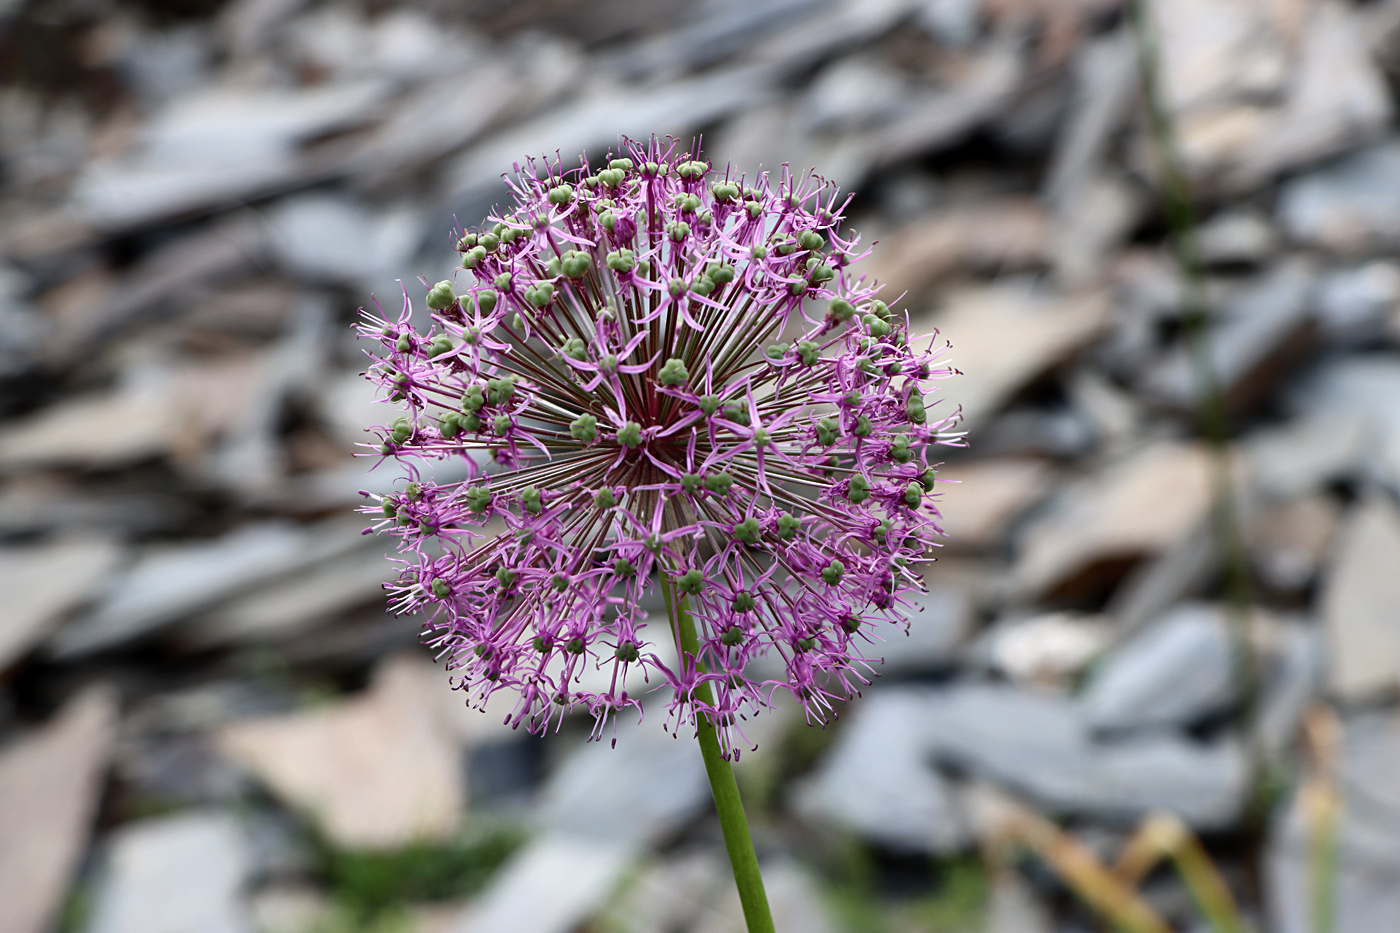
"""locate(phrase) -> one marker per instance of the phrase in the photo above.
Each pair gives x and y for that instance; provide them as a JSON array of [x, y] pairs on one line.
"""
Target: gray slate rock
[[176, 874], [1175, 672], [877, 780], [1348, 206], [1039, 746]]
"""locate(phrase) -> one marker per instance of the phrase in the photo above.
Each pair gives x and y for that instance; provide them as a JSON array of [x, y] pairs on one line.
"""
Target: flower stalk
[[743, 859]]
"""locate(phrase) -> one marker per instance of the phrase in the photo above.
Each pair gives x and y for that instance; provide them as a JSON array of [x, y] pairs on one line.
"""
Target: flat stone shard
[[877, 780], [1003, 338], [43, 582], [1361, 602], [1350, 206], [551, 886], [1180, 669], [1136, 507], [176, 874], [980, 498], [50, 785], [378, 771]]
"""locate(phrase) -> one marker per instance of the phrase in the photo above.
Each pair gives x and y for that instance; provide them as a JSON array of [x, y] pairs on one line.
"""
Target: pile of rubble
[[199, 685]]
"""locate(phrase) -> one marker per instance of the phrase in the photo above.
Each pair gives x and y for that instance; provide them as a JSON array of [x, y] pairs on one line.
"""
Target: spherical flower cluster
[[659, 375]]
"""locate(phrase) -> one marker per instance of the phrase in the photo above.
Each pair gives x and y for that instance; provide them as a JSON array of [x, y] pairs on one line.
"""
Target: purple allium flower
[[657, 369]]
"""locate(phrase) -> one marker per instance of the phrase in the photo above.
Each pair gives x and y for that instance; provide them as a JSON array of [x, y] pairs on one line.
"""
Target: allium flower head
[[660, 373]]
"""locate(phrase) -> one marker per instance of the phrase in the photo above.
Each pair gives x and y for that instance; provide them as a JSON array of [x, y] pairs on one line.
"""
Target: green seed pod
[[404, 343], [777, 351], [720, 273], [473, 257], [863, 427], [441, 589], [678, 230], [747, 531], [607, 220], [841, 310], [875, 326], [808, 352], [914, 408], [691, 583], [827, 431], [739, 414], [471, 422], [621, 260], [810, 240], [733, 635], [624, 164], [575, 645], [690, 482], [502, 424], [626, 652], [441, 297], [611, 177], [491, 241], [486, 300], [388, 507], [530, 498], [466, 242], [500, 391], [441, 344], [899, 449], [858, 490], [709, 404], [622, 567], [834, 572], [478, 499], [744, 602], [719, 483], [880, 309], [630, 434], [604, 498], [575, 349], [798, 288], [913, 495], [473, 398], [821, 274], [673, 373], [401, 430], [561, 194], [511, 234], [928, 479], [450, 426], [788, 526], [584, 428], [503, 281], [702, 286]]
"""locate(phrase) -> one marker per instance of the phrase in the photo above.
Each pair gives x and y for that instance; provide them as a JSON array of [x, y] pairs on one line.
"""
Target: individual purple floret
[[656, 369]]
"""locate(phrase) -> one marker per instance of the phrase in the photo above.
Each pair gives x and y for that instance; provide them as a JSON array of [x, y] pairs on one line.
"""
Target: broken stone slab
[[1181, 669], [1366, 896], [632, 795], [1350, 206], [1364, 386], [1139, 506], [1239, 236], [1255, 338], [377, 771], [298, 604], [50, 786], [335, 239], [169, 583], [44, 582], [1355, 306], [552, 885], [218, 146], [1325, 92], [1005, 235], [1301, 456], [979, 499], [1045, 651], [1039, 745], [1360, 602], [97, 432], [877, 782], [176, 873], [1289, 541], [1003, 337]]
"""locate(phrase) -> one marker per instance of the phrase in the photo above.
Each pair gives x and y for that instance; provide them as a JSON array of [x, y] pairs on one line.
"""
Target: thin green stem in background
[[1211, 413], [735, 826]]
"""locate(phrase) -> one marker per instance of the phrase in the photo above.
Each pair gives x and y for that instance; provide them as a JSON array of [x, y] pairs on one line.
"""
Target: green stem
[[735, 826]]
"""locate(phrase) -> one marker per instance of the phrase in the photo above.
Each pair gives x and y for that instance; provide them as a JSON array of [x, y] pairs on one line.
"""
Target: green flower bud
[[841, 310], [503, 281], [499, 391], [733, 635], [575, 645], [626, 652], [709, 404], [719, 483], [622, 164], [630, 434], [473, 257], [834, 572], [672, 373], [863, 427], [690, 482], [622, 567], [584, 428], [531, 500], [747, 531], [604, 498], [621, 260], [677, 230], [691, 583], [441, 589], [502, 424], [478, 499], [914, 408], [827, 431], [744, 602], [859, 489], [777, 351], [875, 326], [809, 352], [441, 297], [575, 349], [913, 495], [449, 427], [490, 241], [561, 194]]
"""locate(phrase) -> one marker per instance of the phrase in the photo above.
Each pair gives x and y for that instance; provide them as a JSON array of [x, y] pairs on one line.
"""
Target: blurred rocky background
[[208, 723]]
